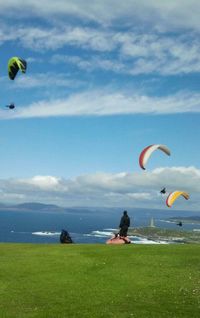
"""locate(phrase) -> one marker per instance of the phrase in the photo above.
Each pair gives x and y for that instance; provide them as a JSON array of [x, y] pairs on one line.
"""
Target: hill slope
[[99, 281]]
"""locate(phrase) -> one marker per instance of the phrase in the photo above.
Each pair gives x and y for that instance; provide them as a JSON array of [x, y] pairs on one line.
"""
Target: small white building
[[152, 224]]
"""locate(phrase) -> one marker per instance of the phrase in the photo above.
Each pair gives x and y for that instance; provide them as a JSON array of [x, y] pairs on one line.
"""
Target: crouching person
[[65, 238]]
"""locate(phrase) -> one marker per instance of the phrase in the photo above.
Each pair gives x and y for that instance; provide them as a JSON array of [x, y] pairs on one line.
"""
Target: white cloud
[[53, 38], [103, 189], [133, 51], [43, 182], [102, 103], [171, 14], [41, 80], [143, 54], [91, 64]]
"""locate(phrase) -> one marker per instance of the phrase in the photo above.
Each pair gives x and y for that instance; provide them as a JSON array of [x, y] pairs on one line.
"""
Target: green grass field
[[88, 280]]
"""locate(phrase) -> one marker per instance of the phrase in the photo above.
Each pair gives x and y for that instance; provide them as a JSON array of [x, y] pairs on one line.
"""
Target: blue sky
[[104, 80]]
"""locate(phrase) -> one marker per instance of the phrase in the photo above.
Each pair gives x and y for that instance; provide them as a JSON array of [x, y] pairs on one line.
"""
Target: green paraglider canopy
[[14, 65]]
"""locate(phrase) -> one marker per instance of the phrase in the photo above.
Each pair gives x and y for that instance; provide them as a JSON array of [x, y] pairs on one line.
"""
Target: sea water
[[92, 225]]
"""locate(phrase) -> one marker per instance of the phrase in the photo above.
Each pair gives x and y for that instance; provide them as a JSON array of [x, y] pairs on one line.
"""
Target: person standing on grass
[[124, 224]]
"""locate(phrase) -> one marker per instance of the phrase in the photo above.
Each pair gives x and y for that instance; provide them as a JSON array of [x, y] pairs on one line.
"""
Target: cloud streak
[[171, 14], [53, 38], [42, 80], [102, 103], [104, 189], [142, 54]]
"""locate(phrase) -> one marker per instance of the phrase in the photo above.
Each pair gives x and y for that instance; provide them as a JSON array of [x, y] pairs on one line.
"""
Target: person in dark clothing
[[124, 224], [65, 237]]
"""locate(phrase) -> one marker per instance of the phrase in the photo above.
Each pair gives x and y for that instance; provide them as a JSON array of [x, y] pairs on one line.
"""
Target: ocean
[[85, 225]]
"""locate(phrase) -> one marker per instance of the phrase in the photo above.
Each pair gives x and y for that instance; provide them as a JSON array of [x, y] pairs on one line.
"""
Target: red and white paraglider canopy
[[147, 152]]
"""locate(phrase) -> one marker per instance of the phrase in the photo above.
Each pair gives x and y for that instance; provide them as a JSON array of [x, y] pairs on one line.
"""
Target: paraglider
[[147, 152], [163, 191], [174, 195], [11, 106], [14, 65], [65, 238]]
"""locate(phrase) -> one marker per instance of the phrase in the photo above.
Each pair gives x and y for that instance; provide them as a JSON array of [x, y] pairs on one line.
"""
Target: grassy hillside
[[57, 281]]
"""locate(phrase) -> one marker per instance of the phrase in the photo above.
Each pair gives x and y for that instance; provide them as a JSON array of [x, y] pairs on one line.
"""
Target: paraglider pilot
[[163, 191], [124, 224], [11, 106], [65, 237]]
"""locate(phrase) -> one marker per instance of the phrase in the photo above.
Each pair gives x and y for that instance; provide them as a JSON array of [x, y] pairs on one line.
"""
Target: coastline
[[166, 235]]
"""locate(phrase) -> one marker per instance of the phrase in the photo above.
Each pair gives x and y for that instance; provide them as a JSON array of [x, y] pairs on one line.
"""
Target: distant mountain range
[[42, 207], [31, 206]]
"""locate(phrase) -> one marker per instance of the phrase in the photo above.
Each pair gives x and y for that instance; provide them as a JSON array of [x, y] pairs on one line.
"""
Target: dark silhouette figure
[[11, 106], [179, 223], [163, 191], [65, 238], [124, 224]]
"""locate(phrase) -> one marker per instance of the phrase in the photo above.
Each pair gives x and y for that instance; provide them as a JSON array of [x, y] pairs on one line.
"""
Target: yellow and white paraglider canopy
[[174, 195]]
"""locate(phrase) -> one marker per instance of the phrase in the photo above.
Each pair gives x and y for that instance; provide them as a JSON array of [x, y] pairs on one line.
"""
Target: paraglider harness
[[117, 235], [65, 238]]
